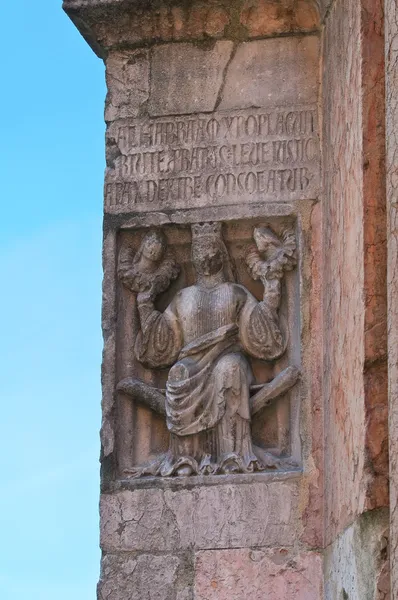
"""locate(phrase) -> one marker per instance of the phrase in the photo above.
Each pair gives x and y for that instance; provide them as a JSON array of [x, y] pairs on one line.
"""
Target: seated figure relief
[[206, 337]]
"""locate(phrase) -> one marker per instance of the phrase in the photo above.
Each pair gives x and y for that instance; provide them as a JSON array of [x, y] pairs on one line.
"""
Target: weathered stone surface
[[324, 6], [391, 47], [258, 574], [108, 376], [273, 72], [356, 563], [221, 516], [187, 78], [153, 577], [312, 485], [109, 24], [353, 224], [127, 78], [270, 17], [375, 254]]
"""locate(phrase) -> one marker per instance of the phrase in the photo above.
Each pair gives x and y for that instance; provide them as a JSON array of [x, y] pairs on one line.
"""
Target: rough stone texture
[[271, 72], [258, 574], [312, 488], [323, 7], [355, 388], [110, 24], [265, 17], [356, 564], [219, 516], [375, 252], [108, 378], [391, 16], [138, 576], [212, 574], [127, 78], [187, 78]]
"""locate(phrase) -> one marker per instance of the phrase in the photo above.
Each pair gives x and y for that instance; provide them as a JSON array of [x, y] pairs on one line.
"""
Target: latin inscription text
[[218, 158]]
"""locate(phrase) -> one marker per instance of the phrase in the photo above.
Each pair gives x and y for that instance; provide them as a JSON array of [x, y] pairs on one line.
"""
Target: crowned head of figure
[[208, 250]]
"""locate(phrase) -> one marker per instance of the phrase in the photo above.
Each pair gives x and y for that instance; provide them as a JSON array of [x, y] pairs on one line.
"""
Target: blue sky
[[52, 150]]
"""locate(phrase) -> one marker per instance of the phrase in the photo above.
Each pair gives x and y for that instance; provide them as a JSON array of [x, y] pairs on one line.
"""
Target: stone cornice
[[116, 24]]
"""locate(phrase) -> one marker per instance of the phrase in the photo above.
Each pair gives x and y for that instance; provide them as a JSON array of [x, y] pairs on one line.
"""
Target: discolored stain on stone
[[258, 574], [356, 563], [270, 17], [355, 379]]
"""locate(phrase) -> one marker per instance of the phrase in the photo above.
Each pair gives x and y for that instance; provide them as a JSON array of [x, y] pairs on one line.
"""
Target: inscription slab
[[225, 157]]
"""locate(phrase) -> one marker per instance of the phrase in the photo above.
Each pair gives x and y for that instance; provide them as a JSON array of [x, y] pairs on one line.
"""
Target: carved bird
[[271, 256]]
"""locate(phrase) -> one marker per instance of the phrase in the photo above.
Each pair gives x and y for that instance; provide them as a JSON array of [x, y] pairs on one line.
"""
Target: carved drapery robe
[[204, 335]]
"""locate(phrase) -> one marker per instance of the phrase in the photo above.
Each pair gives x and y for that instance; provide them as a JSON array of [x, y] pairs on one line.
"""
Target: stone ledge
[[117, 24], [184, 216], [183, 483]]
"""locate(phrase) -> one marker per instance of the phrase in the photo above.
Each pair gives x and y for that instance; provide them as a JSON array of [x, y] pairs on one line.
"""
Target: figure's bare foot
[[231, 468], [184, 471]]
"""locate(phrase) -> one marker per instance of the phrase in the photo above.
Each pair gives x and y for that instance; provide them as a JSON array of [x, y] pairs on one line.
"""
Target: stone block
[[278, 71], [258, 574], [187, 78], [356, 563], [127, 77], [146, 576], [219, 516], [270, 17]]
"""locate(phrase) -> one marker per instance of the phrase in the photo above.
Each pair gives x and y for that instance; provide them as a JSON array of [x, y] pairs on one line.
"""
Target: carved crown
[[206, 229]]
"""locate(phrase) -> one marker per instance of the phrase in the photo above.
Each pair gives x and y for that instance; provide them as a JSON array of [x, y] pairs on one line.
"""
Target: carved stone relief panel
[[208, 348]]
